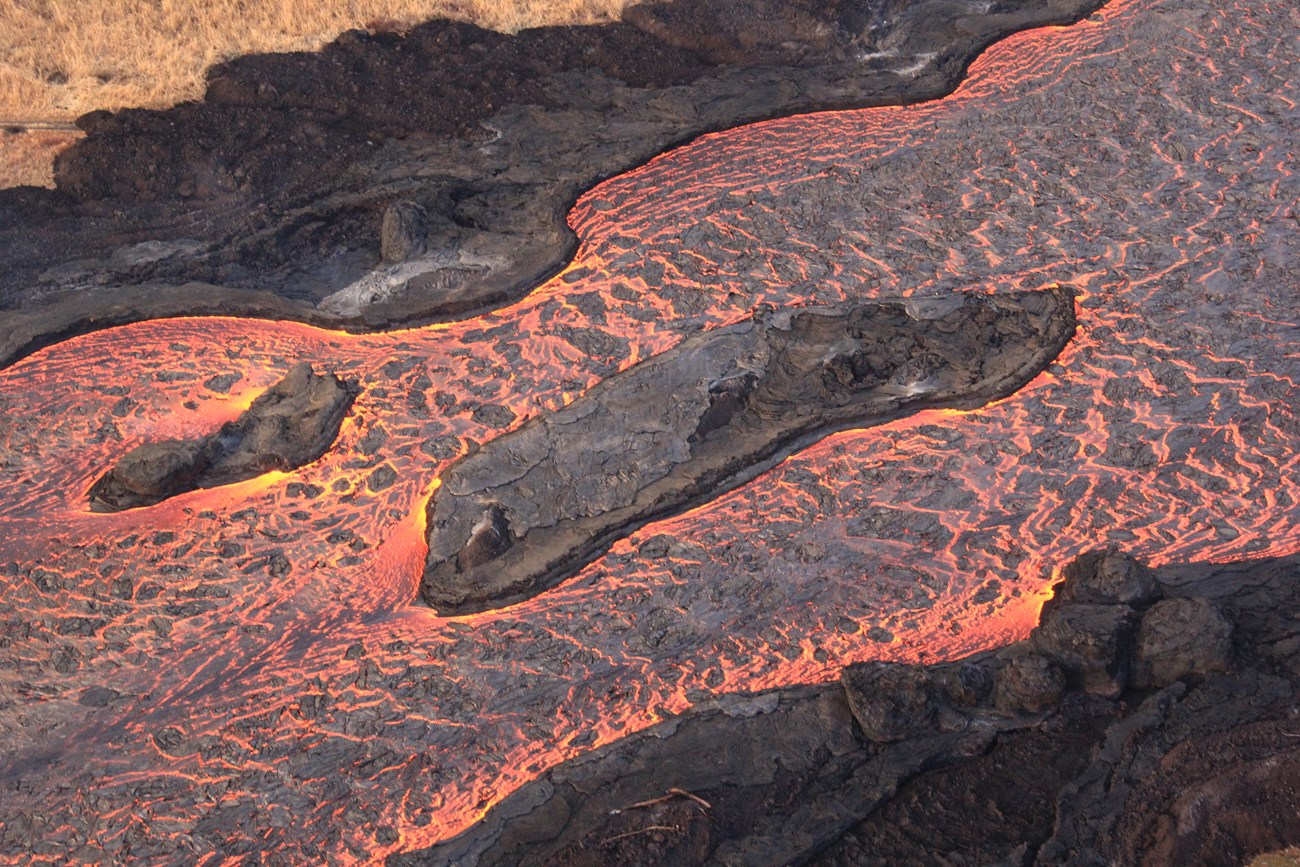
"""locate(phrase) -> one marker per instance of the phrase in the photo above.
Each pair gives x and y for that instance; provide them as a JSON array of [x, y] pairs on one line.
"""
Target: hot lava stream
[[245, 669]]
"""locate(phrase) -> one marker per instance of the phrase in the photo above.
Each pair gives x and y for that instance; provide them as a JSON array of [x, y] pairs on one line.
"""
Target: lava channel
[[242, 669]]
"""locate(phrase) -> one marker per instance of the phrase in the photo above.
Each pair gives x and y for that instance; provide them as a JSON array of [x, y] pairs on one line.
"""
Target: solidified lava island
[[901, 470]]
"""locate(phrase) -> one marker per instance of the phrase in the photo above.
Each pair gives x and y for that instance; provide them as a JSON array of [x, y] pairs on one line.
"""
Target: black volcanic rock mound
[[531, 507], [437, 165], [290, 424]]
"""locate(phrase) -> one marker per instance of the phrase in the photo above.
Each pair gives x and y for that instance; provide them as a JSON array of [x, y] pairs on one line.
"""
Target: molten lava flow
[[241, 669]]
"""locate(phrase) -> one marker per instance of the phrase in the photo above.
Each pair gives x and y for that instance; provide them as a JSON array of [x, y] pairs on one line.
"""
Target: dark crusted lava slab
[[1024, 755], [530, 508], [290, 424], [437, 164]]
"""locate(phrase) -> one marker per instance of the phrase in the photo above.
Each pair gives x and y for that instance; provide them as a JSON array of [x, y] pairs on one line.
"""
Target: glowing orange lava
[[243, 669]]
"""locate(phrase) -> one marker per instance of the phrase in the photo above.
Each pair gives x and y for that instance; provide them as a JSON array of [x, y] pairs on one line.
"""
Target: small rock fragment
[[222, 383], [494, 415], [122, 588], [98, 696], [382, 477]]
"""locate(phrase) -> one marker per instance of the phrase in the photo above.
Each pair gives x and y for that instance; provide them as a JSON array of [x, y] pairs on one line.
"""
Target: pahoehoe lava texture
[[1023, 755], [529, 508], [290, 424], [396, 179]]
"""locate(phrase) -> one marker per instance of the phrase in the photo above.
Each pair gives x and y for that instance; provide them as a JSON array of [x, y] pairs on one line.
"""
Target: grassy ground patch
[[62, 58]]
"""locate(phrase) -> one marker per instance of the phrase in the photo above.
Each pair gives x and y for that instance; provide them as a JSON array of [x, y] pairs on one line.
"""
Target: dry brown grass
[[62, 58], [28, 157]]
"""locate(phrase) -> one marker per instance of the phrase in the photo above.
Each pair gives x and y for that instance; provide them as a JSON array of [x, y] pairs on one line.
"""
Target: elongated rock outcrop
[[290, 424], [529, 508]]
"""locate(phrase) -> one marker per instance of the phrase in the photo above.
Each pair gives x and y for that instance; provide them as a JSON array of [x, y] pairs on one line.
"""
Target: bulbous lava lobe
[[530, 508]]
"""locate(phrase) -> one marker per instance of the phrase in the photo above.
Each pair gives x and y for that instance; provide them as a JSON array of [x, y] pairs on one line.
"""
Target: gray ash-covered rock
[[531, 507], [999, 758], [290, 424], [394, 179]]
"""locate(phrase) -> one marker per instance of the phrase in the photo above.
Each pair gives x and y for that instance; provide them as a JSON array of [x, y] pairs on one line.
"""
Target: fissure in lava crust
[[240, 669]]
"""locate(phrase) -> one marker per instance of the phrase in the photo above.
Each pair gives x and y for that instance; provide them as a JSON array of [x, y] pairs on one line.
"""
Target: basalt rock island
[[531, 507], [290, 424]]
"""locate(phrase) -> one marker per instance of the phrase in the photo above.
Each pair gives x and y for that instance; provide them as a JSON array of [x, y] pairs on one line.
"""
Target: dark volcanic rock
[[1091, 643], [891, 702], [290, 424], [773, 770], [1181, 638], [1106, 577], [894, 702], [1029, 683], [149, 474], [555, 492], [1202, 772], [402, 234], [437, 164], [99, 696]]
